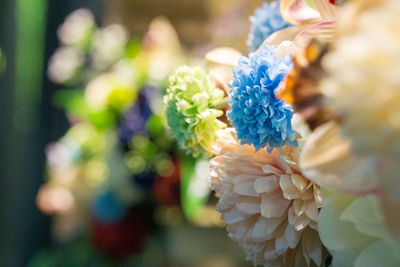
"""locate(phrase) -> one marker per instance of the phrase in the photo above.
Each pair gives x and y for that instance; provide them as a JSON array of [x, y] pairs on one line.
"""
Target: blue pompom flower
[[266, 20], [258, 116]]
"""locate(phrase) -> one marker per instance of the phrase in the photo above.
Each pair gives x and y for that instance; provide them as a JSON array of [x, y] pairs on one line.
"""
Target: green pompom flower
[[193, 106]]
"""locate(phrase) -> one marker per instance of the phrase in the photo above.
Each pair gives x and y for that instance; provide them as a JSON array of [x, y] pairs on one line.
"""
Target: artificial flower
[[266, 20], [65, 64], [270, 208], [328, 160], [362, 88], [363, 84], [115, 89], [163, 52], [352, 228], [77, 28], [193, 105], [258, 116], [317, 21], [109, 45], [300, 87]]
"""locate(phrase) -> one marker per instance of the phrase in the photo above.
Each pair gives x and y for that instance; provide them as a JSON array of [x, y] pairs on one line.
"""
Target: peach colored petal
[[266, 202]]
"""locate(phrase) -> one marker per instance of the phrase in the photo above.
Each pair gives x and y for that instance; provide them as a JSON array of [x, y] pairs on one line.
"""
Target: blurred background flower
[[266, 20], [77, 29]]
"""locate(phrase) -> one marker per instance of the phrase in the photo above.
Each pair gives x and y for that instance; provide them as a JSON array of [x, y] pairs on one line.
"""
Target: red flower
[[122, 239]]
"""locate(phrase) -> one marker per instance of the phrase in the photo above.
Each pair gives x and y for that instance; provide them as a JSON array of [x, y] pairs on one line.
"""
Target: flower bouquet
[[303, 132]]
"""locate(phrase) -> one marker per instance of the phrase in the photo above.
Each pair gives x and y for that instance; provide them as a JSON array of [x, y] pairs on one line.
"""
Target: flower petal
[[328, 161], [298, 12], [326, 9]]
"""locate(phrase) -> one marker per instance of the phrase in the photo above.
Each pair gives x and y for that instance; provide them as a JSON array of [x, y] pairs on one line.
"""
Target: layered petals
[[259, 117], [193, 102], [270, 208]]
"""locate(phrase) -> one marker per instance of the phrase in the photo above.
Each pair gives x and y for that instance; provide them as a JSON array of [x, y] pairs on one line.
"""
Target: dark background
[[23, 229]]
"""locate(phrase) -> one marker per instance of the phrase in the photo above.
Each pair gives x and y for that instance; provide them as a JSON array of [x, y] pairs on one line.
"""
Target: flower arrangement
[[299, 139], [305, 170]]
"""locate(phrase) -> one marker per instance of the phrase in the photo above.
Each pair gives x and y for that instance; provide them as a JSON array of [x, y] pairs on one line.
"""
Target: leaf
[[364, 213], [73, 102], [298, 12], [379, 254], [194, 186], [335, 233], [389, 196], [133, 48]]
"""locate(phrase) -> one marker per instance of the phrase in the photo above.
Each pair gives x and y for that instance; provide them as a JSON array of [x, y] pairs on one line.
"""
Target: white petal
[[301, 222], [291, 216], [249, 207], [312, 246], [245, 189], [233, 216], [266, 184], [261, 230], [273, 206], [290, 191], [327, 10], [312, 211], [300, 182], [292, 236], [327, 160], [269, 251], [281, 245], [269, 169]]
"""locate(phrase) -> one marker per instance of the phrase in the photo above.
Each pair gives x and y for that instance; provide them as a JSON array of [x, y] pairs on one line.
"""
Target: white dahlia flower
[[269, 207]]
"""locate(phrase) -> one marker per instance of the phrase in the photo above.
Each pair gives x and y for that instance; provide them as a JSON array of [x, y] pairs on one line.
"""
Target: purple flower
[[134, 120]]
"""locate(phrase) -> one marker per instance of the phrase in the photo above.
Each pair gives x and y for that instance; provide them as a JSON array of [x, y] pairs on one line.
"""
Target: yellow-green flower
[[193, 105]]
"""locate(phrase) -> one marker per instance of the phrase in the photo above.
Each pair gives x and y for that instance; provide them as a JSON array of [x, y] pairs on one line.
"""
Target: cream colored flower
[[363, 82], [109, 45], [64, 64], [77, 28], [270, 209], [363, 87]]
